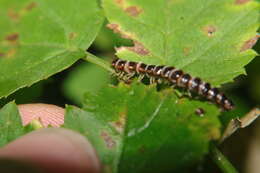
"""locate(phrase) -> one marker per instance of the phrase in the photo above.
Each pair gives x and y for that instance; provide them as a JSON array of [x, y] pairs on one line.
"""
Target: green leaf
[[10, 124], [41, 38], [137, 129], [84, 79], [106, 40], [206, 38]]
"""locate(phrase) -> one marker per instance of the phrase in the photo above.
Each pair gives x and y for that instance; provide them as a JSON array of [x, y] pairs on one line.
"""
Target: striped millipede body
[[175, 77]]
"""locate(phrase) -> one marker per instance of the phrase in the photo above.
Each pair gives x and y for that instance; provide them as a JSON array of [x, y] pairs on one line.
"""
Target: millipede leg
[[140, 78], [128, 76], [152, 80]]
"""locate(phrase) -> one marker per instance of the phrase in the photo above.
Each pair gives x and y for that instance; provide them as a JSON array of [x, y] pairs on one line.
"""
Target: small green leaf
[[210, 39], [10, 124], [41, 38], [137, 129]]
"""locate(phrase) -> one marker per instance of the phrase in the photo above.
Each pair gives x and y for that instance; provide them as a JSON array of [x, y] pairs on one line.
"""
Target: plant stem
[[98, 61], [222, 161]]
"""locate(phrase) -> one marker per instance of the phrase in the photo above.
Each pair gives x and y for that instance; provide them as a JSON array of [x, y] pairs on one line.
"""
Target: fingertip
[[48, 114], [54, 150]]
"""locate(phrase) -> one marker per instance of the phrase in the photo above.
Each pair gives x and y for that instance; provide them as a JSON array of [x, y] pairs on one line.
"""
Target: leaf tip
[[248, 44]]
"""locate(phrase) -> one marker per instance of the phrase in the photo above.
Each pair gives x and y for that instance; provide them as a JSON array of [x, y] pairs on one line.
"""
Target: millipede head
[[120, 65]]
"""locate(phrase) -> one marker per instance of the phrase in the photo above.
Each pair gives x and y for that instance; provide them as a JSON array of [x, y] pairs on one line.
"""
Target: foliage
[[134, 128], [39, 39]]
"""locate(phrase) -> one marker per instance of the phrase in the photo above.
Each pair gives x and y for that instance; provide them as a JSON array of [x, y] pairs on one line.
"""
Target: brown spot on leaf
[[119, 2], [12, 37], [30, 6], [186, 51], [142, 149], [240, 2], [209, 30], [2, 54], [116, 29], [13, 15], [133, 11], [120, 123], [200, 111], [10, 53], [110, 143], [72, 35], [139, 49], [249, 43]]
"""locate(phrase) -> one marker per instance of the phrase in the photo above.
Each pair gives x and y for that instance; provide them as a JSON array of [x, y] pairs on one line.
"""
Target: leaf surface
[[137, 129], [10, 124], [41, 38], [206, 38]]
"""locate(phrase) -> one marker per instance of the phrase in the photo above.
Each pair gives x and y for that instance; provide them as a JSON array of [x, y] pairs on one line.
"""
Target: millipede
[[175, 77]]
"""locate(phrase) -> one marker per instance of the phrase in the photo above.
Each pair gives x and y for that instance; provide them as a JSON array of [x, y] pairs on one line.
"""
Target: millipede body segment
[[175, 77]]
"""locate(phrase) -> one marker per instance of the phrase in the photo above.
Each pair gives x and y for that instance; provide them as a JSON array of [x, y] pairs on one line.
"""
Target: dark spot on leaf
[[133, 11], [12, 37], [10, 53], [138, 48], [249, 43], [142, 149], [72, 35], [13, 15], [181, 18], [200, 111], [30, 6], [2, 54], [186, 51], [120, 123], [116, 29], [110, 143], [239, 2], [209, 30]]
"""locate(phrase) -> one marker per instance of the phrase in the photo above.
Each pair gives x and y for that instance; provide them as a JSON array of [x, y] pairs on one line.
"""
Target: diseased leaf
[[206, 38], [40, 38], [137, 129], [10, 124], [106, 40]]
